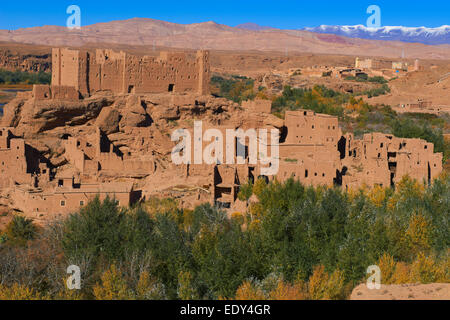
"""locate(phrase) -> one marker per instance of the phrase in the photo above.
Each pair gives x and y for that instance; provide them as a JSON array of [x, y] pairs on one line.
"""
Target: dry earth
[[432, 291]]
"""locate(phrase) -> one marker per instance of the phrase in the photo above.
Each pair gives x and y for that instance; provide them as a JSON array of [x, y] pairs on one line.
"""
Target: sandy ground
[[432, 291]]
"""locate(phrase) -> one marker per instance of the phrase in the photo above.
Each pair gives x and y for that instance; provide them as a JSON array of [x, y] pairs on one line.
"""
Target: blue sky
[[275, 13]]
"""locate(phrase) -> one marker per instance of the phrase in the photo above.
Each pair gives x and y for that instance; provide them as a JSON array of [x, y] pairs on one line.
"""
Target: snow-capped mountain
[[433, 36]]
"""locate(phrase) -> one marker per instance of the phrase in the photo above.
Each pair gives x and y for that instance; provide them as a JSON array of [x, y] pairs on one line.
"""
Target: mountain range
[[431, 36], [214, 36]]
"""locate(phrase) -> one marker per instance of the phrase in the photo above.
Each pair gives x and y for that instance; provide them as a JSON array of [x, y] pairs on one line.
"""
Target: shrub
[[387, 266], [425, 270], [20, 230]]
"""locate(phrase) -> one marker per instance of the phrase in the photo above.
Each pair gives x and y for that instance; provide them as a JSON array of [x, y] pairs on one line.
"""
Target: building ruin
[[81, 73], [314, 151]]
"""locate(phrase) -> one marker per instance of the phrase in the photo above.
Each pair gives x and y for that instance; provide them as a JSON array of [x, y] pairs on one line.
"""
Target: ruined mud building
[[314, 151], [81, 73]]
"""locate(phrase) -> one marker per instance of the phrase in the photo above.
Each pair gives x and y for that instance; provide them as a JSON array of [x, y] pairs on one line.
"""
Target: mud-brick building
[[120, 73], [68, 196], [19, 163], [89, 157], [384, 159]]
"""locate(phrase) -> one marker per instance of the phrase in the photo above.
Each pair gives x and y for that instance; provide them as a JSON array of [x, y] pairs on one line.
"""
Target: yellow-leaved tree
[[112, 287], [418, 235]]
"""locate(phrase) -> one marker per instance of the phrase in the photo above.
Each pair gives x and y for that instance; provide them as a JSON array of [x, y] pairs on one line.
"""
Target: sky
[[275, 13]]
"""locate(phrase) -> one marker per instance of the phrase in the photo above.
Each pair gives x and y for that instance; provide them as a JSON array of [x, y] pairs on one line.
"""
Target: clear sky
[[276, 13]]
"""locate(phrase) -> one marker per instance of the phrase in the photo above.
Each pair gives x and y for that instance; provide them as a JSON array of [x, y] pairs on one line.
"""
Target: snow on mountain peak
[[433, 36]]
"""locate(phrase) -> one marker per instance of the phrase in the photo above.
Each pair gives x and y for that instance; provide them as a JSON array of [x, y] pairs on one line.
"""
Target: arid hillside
[[430, 84]]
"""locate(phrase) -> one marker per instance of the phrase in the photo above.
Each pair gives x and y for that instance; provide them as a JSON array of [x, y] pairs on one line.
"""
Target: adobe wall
[[258, 105], [378, 64], [12, 155], [65, 200], [308, 171], [46, 92], [306, 128], [226, 181], [17, 162], [99, 155]]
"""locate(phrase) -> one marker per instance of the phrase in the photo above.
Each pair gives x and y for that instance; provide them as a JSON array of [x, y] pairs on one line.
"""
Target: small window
[[381, 145], [171, 87], [60, 183], [63, 203], [81, 203], [306, 173]]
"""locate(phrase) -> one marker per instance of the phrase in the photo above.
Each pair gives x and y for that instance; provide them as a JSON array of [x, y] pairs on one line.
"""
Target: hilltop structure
[[81, 73]]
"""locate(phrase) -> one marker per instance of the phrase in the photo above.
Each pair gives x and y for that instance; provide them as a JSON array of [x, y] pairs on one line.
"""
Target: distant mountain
[[432, 36], [252, 26], [210, 35]]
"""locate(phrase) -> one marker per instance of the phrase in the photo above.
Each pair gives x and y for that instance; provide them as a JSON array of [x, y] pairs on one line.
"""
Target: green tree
[[20, 230]]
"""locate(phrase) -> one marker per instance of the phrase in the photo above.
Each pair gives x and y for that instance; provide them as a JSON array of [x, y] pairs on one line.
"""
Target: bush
[[20, 230], [319, 99], [236, 88], [21, 77]]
